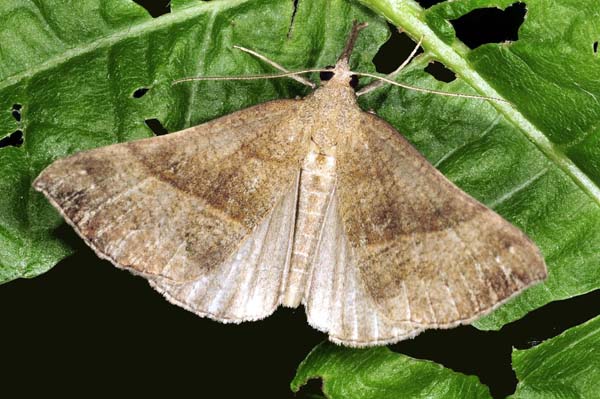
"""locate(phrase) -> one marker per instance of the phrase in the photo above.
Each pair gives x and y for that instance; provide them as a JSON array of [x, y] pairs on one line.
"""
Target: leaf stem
[[408, 15]]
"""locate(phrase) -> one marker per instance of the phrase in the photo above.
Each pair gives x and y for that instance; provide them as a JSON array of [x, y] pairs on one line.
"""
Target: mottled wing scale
[[426, 252], [178, 208]]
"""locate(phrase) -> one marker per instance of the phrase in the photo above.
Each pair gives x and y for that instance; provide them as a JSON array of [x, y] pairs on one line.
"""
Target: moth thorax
[[324, 141]]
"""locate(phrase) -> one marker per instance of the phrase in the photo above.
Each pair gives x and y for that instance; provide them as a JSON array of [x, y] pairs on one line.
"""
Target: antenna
[[344, 57], [251, 77]]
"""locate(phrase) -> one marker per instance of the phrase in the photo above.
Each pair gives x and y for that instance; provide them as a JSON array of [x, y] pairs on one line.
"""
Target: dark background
[[86, 327]]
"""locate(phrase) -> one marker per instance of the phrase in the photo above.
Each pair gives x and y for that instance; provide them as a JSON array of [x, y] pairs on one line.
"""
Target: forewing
[[178, 206], [427, 252]]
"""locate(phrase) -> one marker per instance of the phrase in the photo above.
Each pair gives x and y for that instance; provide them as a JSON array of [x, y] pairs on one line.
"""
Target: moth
[[306, 201]]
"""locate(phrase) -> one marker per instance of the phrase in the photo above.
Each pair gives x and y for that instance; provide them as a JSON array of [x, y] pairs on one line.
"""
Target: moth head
[[339, 74]]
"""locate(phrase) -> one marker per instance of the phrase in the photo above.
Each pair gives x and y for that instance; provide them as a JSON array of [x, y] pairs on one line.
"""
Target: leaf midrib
[[148, 25], [408, 15]]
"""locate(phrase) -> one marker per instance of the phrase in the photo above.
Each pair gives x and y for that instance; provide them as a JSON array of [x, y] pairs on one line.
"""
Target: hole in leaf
[[326, 75], [440, 72], [156, 127], [595, 47], [139, 93], [312, 389], [394, 51], [15, 139], [428, 3], [490, 25], [289, 34], [16, 112], [155, 8]]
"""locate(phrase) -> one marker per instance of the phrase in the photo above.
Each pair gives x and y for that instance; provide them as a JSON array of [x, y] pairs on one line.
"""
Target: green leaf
[[566, 366], [380, 373], [74, 70], [537, 162]]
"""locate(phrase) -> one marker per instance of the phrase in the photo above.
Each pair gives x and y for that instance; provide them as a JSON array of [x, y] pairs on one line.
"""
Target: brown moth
[[309, 201]]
